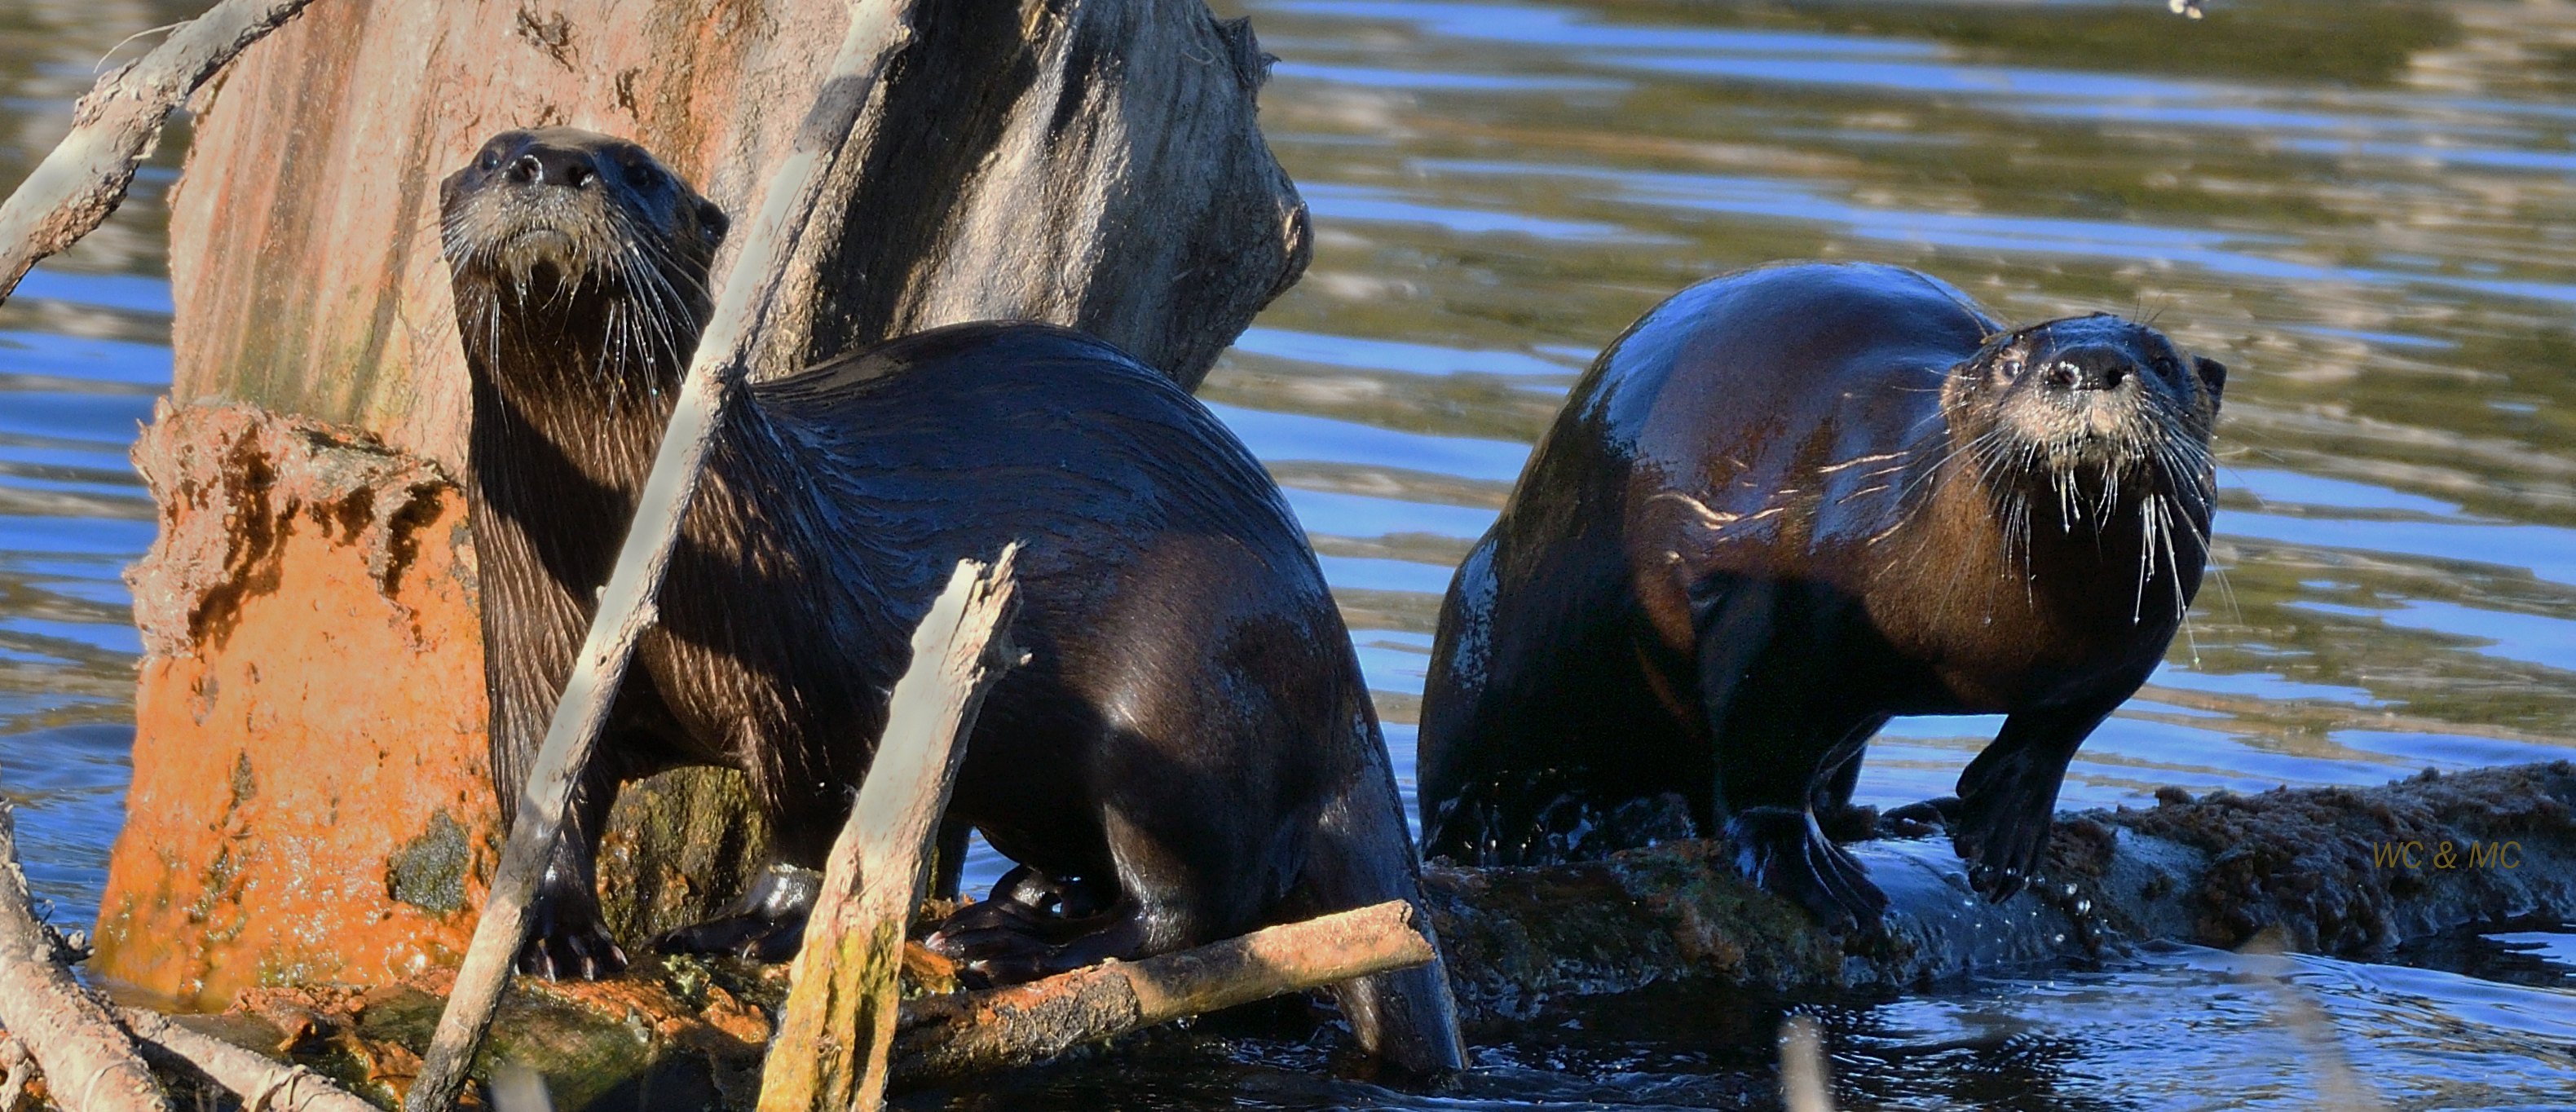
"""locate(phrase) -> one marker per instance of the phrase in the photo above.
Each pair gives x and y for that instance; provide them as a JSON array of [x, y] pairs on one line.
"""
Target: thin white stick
[[878, 30]]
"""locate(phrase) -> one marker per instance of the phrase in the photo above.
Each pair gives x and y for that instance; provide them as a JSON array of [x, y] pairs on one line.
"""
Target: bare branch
[[833, 1041], [259, 1081], [967, 1033], [78, 185]]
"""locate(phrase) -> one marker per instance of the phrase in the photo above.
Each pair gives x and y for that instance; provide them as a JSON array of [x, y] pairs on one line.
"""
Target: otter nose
[[2086, 368], [553, 166]]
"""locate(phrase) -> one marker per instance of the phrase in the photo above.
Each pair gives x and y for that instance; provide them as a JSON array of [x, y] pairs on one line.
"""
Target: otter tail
[[1362, 855]]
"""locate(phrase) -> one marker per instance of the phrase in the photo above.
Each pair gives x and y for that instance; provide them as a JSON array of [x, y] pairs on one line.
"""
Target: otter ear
[[2213, 374], [712, 221]]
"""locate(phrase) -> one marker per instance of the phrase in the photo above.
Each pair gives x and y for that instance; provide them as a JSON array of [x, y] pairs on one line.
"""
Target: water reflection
[[83, 351]]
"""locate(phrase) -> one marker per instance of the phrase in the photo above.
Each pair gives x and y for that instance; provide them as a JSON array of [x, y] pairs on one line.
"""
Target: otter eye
[[491, 159]]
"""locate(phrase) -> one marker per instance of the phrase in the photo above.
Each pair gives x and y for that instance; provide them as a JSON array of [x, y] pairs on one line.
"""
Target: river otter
[[1784, 506], [1188, 752]]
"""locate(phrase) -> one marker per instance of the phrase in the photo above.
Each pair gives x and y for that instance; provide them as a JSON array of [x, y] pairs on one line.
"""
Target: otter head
[[569, 241], [2096, 411]]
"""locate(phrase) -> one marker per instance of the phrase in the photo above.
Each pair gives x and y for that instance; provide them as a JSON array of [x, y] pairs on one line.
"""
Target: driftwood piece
[[260, 1081], [84, 178], [747, 299], [831, 1050], [17, 1068], [966, 1033], [88, 1063]]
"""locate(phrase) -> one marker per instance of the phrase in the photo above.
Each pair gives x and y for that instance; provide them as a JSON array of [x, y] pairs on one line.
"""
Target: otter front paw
[[1784, 852], [2003, 826], [2004, 848]]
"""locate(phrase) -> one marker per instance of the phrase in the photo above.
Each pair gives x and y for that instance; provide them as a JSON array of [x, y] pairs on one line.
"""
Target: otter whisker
[[2173, 562]]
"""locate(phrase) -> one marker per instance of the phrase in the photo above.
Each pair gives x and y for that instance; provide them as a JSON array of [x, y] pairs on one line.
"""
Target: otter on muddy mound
[[1784, 506], [1189, 751]]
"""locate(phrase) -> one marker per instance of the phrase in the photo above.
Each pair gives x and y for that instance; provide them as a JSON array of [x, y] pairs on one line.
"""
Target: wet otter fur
[[1189, 751], [1784, 506]]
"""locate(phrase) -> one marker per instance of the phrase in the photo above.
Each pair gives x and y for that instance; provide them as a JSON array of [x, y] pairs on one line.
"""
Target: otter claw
[[587, 955]]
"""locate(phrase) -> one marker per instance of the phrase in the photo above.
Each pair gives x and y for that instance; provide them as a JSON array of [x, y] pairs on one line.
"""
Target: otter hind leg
[[2008, 795], [1782, 745], [1782, 850], [1037, 925], [768, 923], [1159, 888], [568, 938]]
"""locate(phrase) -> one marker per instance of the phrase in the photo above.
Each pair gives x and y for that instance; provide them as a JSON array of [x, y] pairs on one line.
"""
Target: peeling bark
[[229, 480]]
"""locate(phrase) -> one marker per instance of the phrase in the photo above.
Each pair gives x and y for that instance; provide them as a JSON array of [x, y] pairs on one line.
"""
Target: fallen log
[[833, 1036], [89, 1065], [2320, 870], [2327, 868], [956, 1035]]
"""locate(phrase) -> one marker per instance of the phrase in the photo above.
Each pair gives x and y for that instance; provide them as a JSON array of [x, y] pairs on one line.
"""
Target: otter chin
[[1188, 751], [1785, 506]]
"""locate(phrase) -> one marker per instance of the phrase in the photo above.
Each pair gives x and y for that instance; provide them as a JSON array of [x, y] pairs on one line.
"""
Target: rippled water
[[2366, 209]]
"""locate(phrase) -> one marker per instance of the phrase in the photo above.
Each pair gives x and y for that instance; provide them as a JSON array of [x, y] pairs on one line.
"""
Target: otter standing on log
[[1783, 507], [1189, 752]]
